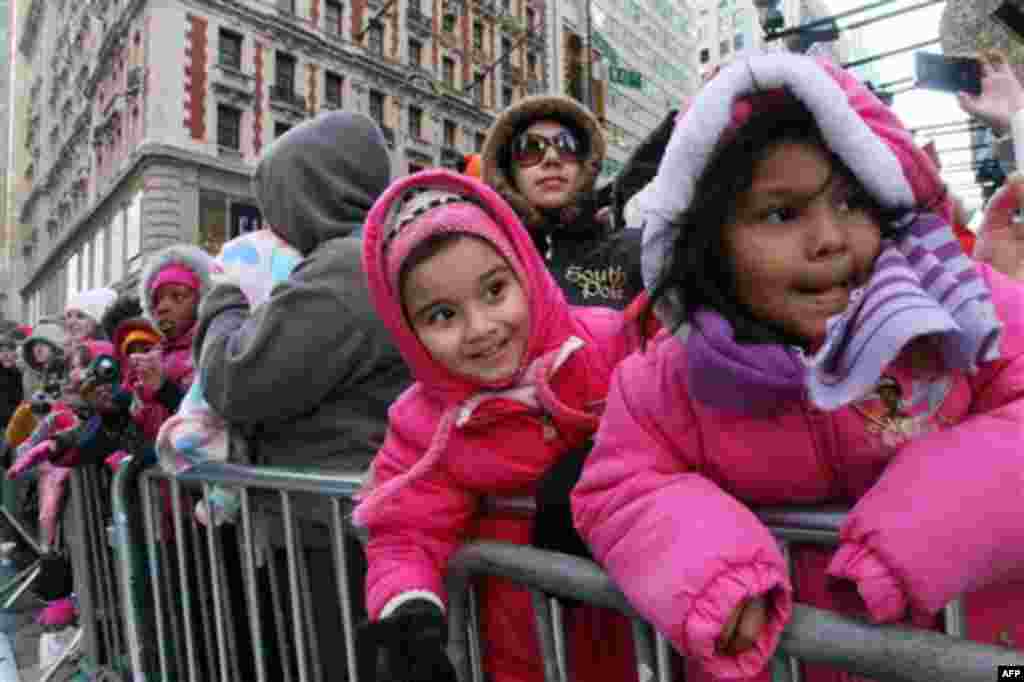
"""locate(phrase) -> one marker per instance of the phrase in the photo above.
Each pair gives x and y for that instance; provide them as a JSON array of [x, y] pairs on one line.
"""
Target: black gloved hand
[[413, 639]]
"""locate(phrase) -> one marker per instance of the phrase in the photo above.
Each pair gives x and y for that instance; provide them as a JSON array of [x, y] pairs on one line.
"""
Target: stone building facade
[[139, 122]]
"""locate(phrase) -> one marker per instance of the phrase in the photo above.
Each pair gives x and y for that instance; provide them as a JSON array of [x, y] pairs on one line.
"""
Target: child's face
[[78, 325], [41, 353], [174, 306], [469, 310], [550, 181], [8, 357], [801, 241]]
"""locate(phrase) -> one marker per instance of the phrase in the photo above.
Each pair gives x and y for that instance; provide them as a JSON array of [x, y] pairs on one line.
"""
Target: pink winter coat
[[664, 501], [490, 446]]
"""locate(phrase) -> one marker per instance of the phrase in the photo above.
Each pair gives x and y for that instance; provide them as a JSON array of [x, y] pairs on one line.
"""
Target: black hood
[[317, 181]]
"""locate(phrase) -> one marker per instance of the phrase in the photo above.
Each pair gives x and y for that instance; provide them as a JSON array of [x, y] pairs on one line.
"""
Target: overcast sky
[[918, 107]]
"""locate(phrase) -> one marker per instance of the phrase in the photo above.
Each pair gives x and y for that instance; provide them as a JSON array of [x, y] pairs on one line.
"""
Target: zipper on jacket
[[818, 421]]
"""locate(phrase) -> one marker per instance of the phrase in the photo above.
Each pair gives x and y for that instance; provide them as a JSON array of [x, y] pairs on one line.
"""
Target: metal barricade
[[86, 519], [812, 635], [235, 602]]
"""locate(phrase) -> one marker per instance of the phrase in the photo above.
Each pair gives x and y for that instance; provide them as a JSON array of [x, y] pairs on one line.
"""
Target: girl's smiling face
[[802, 239], [469, 310], [78, 325]]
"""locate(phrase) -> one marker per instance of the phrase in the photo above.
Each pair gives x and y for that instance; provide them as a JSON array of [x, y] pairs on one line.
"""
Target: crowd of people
[[771, 305]]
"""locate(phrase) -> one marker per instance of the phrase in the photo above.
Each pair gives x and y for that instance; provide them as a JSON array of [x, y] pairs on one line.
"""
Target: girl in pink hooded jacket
[[509, 379], [830, 343]]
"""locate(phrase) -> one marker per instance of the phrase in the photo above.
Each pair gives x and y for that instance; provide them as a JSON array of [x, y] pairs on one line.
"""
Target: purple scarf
[[923, 285]]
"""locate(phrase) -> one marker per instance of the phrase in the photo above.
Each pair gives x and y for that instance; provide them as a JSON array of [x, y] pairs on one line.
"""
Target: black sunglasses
[[529, 149]]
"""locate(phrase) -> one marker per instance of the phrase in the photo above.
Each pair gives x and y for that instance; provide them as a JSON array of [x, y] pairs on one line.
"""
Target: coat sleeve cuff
[[712, 609], [878, 586], [392, 604]]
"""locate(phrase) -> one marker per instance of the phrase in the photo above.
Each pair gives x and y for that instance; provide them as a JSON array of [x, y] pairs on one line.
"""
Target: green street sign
[[630, 79]]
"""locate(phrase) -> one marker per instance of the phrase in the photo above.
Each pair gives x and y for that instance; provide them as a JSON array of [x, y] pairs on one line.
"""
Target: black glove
[[413, 639]]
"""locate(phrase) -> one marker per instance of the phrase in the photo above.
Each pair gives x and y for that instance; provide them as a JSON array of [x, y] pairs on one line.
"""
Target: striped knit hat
[[922, 283]]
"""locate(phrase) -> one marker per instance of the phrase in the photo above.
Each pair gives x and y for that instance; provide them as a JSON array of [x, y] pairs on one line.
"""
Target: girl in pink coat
[[826, 341], [509, 379]]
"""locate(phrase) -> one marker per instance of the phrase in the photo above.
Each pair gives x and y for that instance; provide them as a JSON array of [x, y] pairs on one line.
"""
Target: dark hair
[[697, 272], [126, 307]]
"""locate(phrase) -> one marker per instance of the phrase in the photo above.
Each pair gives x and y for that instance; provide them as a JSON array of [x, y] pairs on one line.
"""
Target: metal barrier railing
[[195, 631], [217, 618], [812, 635]]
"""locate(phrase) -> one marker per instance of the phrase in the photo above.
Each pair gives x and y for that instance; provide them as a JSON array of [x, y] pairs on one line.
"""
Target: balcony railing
[[418, 22], [450, 156], [287, 97]]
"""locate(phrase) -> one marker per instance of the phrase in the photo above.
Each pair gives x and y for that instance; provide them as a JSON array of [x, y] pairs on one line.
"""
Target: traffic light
[[771, 16]]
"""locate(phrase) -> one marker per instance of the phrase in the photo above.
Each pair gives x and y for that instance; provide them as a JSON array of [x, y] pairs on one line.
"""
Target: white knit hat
[[93, 302]]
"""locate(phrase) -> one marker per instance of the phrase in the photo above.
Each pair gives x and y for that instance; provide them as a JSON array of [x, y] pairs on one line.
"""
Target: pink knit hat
[[174, 274], [424, 213]]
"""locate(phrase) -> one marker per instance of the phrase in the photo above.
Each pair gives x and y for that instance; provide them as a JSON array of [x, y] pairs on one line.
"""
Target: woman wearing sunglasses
[[543, 155]]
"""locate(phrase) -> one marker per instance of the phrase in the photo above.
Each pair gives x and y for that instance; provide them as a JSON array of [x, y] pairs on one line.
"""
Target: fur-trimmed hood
[[48, 332], [495, 169], [186, 255]]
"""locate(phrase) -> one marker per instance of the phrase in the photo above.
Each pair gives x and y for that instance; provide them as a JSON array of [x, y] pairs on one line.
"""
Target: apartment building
[[137, 123], [644, 61]]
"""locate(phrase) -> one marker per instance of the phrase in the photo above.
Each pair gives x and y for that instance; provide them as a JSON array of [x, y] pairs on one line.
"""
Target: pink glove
[[52, 482], [29, 460]]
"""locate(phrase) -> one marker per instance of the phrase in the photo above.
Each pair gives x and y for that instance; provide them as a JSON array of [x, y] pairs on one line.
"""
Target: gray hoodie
[[309, 374]]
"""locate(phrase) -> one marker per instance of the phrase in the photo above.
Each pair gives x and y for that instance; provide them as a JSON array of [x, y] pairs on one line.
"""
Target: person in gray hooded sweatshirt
[[309, 375]]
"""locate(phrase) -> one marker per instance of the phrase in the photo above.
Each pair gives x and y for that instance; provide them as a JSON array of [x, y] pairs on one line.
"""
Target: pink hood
[[549, 314]]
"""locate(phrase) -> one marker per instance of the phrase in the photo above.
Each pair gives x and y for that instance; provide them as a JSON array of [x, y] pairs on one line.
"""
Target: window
[[72, 276], [229, 127], [478, 142], [213, 220], [286, 6], [448, 22], [230, 46], [377, 107], [332, 17], [332, 90], [99, 257], [416, 123], [478, 88], [133, 228], [506, 96], [415, 53], [448, 71], [284, 74], [705, 56], [737, 41], [375, 38], [86, 266], [531, 18], [506, 6], [449, 133], [117, 247], [723, 49], [478, 35], [531, 65], [280, 129], [506, 47]]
